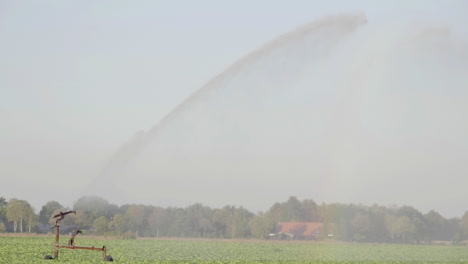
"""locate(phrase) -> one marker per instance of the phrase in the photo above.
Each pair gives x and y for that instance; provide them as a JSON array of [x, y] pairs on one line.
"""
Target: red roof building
[[299, 230]]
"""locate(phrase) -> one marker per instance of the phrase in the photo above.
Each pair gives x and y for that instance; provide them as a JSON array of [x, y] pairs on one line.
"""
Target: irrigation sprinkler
[[71, 243]]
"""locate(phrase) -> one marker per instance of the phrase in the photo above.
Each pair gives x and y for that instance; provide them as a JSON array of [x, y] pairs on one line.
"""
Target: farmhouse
[[299, 230]]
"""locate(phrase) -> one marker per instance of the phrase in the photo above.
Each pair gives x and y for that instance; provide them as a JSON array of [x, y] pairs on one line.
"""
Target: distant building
[[300, 230]]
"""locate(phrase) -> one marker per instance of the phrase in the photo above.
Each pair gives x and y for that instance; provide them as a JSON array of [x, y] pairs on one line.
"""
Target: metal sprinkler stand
[[71, 242]]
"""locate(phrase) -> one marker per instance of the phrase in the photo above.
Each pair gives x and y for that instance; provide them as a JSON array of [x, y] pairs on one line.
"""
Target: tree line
[[347, 222]]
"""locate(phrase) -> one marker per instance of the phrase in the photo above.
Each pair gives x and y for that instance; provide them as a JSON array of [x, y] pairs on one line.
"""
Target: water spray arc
[[334, 28], [334, 110]]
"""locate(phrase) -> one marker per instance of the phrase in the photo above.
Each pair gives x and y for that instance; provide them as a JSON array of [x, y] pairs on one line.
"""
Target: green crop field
[[33, 249]]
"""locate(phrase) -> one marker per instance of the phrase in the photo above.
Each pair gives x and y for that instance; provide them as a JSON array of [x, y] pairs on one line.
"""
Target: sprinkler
[[71, 243]]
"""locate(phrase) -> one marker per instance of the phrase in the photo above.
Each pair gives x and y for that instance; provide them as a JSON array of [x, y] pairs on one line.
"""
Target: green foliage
[[47, 211], [262, 225], [20, 212], [294, 210], [134, 218], [117, 224], [69, 220], [346, 222], [464, 225], [101, 225], [3, 209], [33, 249], [232, 222], [362, 226], [93, 207]]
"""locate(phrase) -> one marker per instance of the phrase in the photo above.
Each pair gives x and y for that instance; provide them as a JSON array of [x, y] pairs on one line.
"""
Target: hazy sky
[[78, 79]]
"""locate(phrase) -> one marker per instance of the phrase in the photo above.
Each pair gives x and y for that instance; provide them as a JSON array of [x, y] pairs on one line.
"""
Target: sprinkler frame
[[60, 216]]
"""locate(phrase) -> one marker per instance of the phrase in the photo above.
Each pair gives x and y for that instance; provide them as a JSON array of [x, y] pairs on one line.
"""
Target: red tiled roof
[[305, 229]]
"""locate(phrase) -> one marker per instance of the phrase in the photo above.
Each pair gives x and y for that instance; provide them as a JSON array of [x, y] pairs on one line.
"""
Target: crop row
[[33, 249]]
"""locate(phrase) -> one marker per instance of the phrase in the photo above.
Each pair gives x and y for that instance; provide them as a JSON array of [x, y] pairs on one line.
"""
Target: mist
[[336, 110], [236, 104]]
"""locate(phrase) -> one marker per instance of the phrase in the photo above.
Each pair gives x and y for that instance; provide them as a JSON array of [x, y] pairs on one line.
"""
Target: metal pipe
[[79, 247], [57, 245], [57, 238]]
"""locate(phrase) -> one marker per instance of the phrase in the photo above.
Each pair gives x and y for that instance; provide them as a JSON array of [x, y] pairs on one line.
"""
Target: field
[[33, 249]]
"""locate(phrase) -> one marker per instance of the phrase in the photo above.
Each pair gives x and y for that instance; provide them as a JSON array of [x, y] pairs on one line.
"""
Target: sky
[[80, 79]]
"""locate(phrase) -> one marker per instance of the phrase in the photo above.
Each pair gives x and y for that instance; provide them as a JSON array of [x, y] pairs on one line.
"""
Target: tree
[[180, 223], [3, 209], [13, 213], [404, 227], [378, 231], [289, 211], [232, 222], [310, 211], [362, 227], [199, 219], [293, 210], [452, 230], [47, 211], [158, 222], [31, 219], [94, 207], [261, 225], [435, 225], [419, 229], [17, 211], [117, 224], [464, 224], [240, 224], [390, 224], [101, 225], [81, 219], [69, 220], [134, 217]]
